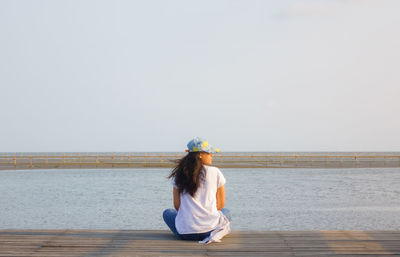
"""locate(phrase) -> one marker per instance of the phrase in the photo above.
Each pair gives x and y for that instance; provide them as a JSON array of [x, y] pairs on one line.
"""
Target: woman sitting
[[199, 196]]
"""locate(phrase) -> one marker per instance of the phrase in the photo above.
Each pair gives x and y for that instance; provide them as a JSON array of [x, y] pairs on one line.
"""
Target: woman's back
[[199, 214]]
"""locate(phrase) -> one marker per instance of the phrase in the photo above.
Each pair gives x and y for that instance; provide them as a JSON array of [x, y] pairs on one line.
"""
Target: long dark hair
[[187, 173]]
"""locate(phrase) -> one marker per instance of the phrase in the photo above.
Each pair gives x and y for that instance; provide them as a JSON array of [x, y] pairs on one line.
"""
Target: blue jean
[[169, 216]]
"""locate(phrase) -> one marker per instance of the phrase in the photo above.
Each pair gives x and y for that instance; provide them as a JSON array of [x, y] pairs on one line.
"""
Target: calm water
[[259, 199]]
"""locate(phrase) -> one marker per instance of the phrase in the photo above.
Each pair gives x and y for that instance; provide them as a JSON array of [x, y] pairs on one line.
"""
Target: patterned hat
[[201, 145]]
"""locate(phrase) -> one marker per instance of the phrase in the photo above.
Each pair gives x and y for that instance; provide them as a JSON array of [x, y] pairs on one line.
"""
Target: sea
[[259, 199]]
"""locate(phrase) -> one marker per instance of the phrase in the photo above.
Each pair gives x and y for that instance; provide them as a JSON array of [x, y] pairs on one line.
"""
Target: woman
[[199, 196]]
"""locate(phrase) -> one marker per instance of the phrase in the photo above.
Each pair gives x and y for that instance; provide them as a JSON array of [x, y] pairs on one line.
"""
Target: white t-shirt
[[199, 214]]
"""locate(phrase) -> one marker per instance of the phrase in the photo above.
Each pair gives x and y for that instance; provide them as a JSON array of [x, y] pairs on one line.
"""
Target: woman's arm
[[177, 199], [221, 197]]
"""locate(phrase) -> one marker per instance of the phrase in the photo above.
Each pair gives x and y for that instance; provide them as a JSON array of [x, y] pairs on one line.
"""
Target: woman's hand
[[221, 197]]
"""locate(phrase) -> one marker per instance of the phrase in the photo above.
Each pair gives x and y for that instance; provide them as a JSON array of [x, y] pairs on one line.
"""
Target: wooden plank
[[162, 243]]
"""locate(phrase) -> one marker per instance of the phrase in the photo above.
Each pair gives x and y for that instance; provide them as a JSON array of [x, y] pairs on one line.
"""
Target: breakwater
[[228, 160]]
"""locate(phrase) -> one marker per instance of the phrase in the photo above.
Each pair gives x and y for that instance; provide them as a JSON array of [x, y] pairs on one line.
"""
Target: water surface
[[259, 199]]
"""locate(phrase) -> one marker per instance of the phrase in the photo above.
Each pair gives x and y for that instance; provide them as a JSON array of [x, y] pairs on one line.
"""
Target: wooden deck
[[162, 243]]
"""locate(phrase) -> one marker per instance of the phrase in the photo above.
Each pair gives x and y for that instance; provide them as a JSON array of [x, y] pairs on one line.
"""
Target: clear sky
[[300, 75]]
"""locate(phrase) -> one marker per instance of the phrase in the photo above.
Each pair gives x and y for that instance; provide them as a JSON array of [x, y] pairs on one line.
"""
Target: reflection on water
[[259, 199]]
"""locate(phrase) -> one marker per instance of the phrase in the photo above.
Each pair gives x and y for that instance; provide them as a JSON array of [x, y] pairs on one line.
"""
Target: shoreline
[[219, 165], [227, 160]]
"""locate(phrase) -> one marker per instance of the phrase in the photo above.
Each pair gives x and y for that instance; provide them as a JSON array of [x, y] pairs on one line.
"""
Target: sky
[[287, 75]]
